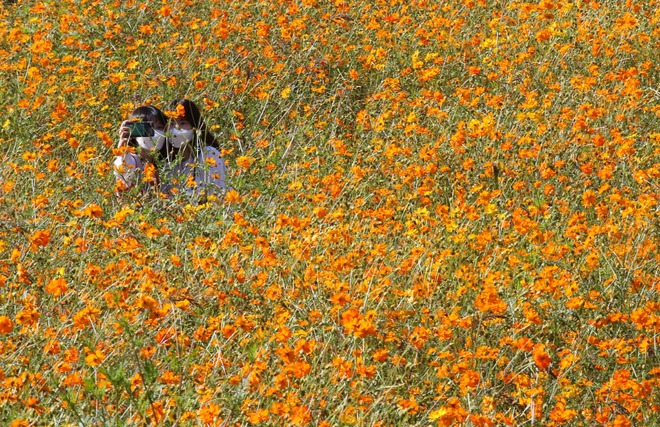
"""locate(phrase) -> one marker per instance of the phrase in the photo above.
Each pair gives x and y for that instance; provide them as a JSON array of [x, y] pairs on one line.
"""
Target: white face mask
[[152, 143], [180, 137]]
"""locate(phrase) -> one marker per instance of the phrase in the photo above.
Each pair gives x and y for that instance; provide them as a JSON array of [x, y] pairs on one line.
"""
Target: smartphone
[[140, 129]]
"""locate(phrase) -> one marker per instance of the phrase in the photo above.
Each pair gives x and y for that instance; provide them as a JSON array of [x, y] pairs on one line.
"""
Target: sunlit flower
[[6, 325]]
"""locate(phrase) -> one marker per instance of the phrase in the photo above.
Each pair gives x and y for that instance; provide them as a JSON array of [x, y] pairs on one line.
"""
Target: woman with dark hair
[[129, 166], [192, 151], [190, 113], [182, 152]]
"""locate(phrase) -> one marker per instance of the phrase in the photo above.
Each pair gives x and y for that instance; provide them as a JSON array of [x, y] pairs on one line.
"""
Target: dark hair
[[194, 117], [149, 113]]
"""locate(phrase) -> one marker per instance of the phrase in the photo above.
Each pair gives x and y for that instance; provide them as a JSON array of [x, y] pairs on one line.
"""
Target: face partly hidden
[[156, 142], [180, 132]]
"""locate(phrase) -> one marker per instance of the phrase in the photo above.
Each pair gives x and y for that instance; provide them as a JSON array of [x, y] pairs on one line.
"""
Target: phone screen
[[140, 129]]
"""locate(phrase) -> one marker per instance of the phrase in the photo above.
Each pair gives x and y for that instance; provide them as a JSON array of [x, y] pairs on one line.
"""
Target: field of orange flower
[[441, 213]]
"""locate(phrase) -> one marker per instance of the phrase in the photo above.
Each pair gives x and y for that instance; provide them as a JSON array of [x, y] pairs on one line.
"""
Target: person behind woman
[[183, 154], [193, 160]]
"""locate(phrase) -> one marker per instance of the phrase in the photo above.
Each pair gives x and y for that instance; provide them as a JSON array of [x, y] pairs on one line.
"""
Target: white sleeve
[[128, 169], [212, 170]]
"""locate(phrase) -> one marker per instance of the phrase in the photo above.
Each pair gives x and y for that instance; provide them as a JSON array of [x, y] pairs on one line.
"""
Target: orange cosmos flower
[[85, 317], [228, 331], [179, 111], [343, 367], [169, 377], [156, 411], [380, 355], [57, 287], [300, 415], [208, 414], [27, 317], [469, 379], [356, 324], [621, 421], [92, 211], [560, 414], [625, 22], [94, 357], [6, 325], [419, 336], [40, 238], [166, 336], [588, 198], [147, 352], [259, 416], [150, 174], [541, 357], [244, 162], [531, 314], [299, 369], [233, 196], [488, 300]]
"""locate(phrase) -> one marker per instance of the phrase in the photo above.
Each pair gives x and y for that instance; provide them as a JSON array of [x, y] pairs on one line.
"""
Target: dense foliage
[[441, 212]]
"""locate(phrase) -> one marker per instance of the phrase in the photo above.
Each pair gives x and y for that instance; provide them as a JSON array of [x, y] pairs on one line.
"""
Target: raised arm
[[128, 167]]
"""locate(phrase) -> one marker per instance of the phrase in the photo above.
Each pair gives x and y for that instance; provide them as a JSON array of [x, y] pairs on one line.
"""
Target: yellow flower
[[94, 358], [244, 162], [438, 413]]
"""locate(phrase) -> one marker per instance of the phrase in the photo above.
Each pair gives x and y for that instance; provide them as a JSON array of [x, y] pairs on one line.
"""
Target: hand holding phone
[[129, 130], [140, 129]]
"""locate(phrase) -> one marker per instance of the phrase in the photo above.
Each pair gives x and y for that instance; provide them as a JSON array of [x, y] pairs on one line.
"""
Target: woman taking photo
[[180, 157]]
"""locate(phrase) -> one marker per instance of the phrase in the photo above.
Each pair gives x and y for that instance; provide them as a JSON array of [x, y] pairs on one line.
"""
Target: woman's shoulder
[[207, 149], [211, 152], [213, 155]]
